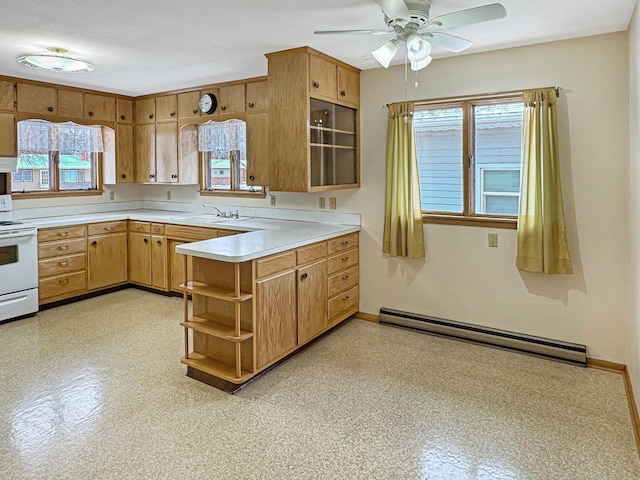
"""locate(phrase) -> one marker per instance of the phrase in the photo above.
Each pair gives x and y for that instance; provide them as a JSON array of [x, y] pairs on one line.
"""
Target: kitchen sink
[[208, 218]]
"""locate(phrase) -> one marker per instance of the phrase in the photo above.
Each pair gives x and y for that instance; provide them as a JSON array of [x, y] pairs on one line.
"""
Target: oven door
[[18, 260]]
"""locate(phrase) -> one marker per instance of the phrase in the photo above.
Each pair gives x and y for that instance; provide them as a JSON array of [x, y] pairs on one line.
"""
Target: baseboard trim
[[624, 371], [369, 317]]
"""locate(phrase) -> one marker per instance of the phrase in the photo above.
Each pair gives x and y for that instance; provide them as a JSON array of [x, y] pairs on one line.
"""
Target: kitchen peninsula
[[261, 288]]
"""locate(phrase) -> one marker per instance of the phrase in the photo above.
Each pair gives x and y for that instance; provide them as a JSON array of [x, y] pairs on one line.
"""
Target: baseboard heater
[[552, 349]]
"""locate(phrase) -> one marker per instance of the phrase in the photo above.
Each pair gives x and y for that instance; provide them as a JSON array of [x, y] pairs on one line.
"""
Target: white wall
[[633, 327], [461, 278]]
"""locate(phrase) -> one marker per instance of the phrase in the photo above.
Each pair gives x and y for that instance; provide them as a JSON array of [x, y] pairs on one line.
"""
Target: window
[[224, 150], [66, 153], [469, 159]]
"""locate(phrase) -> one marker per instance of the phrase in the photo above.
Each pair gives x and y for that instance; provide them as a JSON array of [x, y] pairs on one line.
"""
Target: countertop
[[264, 236]]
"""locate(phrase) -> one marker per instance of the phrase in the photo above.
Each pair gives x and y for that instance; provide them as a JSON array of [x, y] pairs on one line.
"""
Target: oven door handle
[[17, 235]]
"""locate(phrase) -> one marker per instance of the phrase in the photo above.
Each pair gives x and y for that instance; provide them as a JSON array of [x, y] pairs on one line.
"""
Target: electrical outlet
[[493, 239], [323, 202], [168, 194], [332, 203], [112, 196], [272, 200]]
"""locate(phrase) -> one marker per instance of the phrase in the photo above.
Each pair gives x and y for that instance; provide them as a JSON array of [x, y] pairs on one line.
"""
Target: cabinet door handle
[[250, 104], [173, 175], [151, 175], [122, 117], [304, 276], [316, 84], [343, 93], [251, 177], [223, 108], [50, 109], [91, 114], [123, 176], [195, 110], [173, 114], [94, 243], [64, 282], [146, 240], [159, 242], [150, 115]]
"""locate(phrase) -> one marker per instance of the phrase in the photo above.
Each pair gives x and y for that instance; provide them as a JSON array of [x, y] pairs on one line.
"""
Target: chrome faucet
[[220, 213]]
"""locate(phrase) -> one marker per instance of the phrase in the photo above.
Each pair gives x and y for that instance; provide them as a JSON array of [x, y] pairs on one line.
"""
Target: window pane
[[74, 169], [498, 157], [30, 168], [220, 173], [439, 147]]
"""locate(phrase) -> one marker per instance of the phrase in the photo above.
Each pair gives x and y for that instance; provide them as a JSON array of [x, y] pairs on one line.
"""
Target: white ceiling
[[148, 46]]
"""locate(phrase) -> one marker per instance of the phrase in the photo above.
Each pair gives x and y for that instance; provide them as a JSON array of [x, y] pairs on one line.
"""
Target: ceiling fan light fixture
[[415, 66], [56, 60], [418, 48], [385, 52]]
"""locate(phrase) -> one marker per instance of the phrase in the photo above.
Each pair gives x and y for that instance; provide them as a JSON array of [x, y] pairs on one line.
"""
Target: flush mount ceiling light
[[56, 60]]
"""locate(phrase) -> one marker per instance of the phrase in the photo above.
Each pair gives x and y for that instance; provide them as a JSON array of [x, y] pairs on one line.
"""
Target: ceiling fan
[[409, 20]]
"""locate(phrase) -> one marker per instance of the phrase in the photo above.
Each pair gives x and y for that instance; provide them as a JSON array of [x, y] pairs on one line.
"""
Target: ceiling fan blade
[[360, 32], [493, 11], [447, 42], [395, 10]]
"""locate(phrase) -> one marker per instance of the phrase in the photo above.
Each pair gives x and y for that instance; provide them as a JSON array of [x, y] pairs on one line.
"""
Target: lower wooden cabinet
[[148, 255], [249, 315], [106, 254]]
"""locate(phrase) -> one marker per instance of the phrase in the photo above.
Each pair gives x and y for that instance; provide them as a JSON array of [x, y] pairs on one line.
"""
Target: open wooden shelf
[[214, 292], [216, 329], [217, 369]]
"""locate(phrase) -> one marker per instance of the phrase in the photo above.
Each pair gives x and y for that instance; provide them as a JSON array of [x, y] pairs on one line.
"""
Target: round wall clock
[[208, 103]]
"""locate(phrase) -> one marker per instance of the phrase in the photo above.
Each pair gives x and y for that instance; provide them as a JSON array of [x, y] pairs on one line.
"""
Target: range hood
[[8, 164]]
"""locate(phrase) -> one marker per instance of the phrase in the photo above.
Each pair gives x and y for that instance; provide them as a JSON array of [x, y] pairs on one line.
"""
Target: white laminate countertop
[[264, 236]]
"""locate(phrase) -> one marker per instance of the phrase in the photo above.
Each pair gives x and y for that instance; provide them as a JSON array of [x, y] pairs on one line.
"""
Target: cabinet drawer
[[107, 227], [61, 265], [311, 253], [279, 263], [64, 247], [141, 227], [193, 234], [343, 281], [343, 243], [61, 233], [342, 260], [344, 302], [62, 285], [157, 228]]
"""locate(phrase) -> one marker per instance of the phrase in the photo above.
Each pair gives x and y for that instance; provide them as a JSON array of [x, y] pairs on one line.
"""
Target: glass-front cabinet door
[[332, 144]]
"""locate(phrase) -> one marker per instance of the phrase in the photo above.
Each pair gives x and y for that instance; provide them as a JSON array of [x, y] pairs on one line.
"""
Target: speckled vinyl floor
[[95, 390]]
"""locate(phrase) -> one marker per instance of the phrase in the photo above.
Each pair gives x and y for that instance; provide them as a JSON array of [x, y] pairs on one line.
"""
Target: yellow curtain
[[403, 231], [542, 242]]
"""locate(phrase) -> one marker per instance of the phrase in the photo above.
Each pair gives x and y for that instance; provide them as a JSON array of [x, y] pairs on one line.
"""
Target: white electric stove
[[18, 264]]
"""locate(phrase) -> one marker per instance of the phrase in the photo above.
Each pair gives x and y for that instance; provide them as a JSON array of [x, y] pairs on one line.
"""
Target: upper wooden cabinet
[[257, 96], [188, 104], [231, 99], [7, 135], [70, 104], [313, 129], [37, 99], [7, 95], [124, 110], [166, 108], [99, 107], [145, 110]]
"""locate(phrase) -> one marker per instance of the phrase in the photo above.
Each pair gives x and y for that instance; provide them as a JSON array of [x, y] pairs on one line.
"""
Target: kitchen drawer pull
[[63, 247], [344, 299], [316, 84], [345, 259], [138, 227], [108, 229], [346, 242], [304, 276], [63, 264], [64, 282], [345, 277], [156, 229], [63, 234]]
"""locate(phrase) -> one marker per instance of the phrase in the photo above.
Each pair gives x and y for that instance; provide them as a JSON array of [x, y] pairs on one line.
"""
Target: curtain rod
[[473, 97]]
